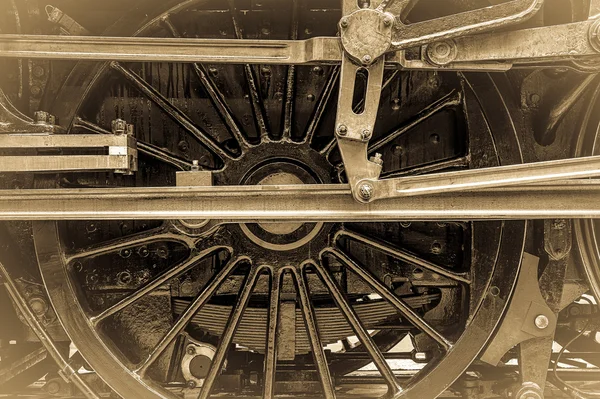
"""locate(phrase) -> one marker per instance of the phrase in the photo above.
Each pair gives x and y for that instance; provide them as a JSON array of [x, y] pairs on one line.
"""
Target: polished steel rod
[[301, 203]]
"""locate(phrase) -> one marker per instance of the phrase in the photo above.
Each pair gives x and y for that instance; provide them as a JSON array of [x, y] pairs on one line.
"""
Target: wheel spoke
[[229, 332], [175, 113], [258, 107], [181, 267], [450, 100], [403, 255], [412, 316], [457, 162], [290, 90], [157, 234], [201, 299], [272, 338], [312, 330], [217, 98], [145, 148], [359, 329], [163, 155], [324, 99]]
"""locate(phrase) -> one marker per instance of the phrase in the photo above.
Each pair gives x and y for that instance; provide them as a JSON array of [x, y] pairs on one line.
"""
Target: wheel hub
[[280, 236]]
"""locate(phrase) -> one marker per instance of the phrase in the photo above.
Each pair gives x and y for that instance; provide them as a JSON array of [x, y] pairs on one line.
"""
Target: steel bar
[[161, 279], [29, 140], [401, 306], [527, 45], [65, 163], [272, 340], [359, 329], [466, 23], [227, 338], [501, 176], [312, 330], [405, 256], [301, 203], [131, 49]]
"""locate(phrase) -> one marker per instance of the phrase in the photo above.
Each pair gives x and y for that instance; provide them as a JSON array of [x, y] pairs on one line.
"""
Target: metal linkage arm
[[144, 49], [120, 156], [519, 175], [545, 44], [466, 23]]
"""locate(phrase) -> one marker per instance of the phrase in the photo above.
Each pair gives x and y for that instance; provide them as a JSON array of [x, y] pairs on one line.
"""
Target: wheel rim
[[66, 296], [586, 230]]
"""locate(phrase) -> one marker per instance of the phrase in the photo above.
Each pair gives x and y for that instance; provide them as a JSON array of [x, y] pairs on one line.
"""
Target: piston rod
[[301, 203]]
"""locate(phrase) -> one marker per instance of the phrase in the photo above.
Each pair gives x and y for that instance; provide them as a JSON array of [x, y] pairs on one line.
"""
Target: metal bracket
[[121, 156], [355, 129], [528, 317]]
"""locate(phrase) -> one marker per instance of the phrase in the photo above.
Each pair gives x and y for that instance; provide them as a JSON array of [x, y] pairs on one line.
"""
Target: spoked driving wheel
[[187, 307]]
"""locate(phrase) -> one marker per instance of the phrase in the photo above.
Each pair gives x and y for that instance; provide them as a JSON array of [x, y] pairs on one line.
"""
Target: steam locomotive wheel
[[140, 300]]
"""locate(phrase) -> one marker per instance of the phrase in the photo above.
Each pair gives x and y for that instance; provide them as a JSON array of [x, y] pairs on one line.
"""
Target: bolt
[[162, 252], [310, 97], [542, 322], [191, 384], [53, 387], [36, 90], [38, 305], [195, 165], [398, 150], [377, 159], [559, 224], [535, 99], [213, 71], [344, 23], [436, 248], [442, 53], [183, 146], [367, 59], [124, 278], [342, 130], [318, 70], [365, 135], [119, 126], [366, 191], [125, 253], [38, 71], [388, 21], [529, 391], [191, 350], [143, 251], [265, 71], [44, 118]]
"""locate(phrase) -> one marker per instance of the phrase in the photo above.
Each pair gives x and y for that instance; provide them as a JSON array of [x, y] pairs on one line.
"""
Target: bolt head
[[191, 384], [388, 21], [367, 59], [191, 350], [366, 191], [377, 159], [344, 22], [365, 134], [44, 118], [342, 130], [119, 126], [542, 322]]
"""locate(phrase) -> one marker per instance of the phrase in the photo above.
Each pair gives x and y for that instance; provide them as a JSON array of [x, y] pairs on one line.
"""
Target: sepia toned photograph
[[299, 199]]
